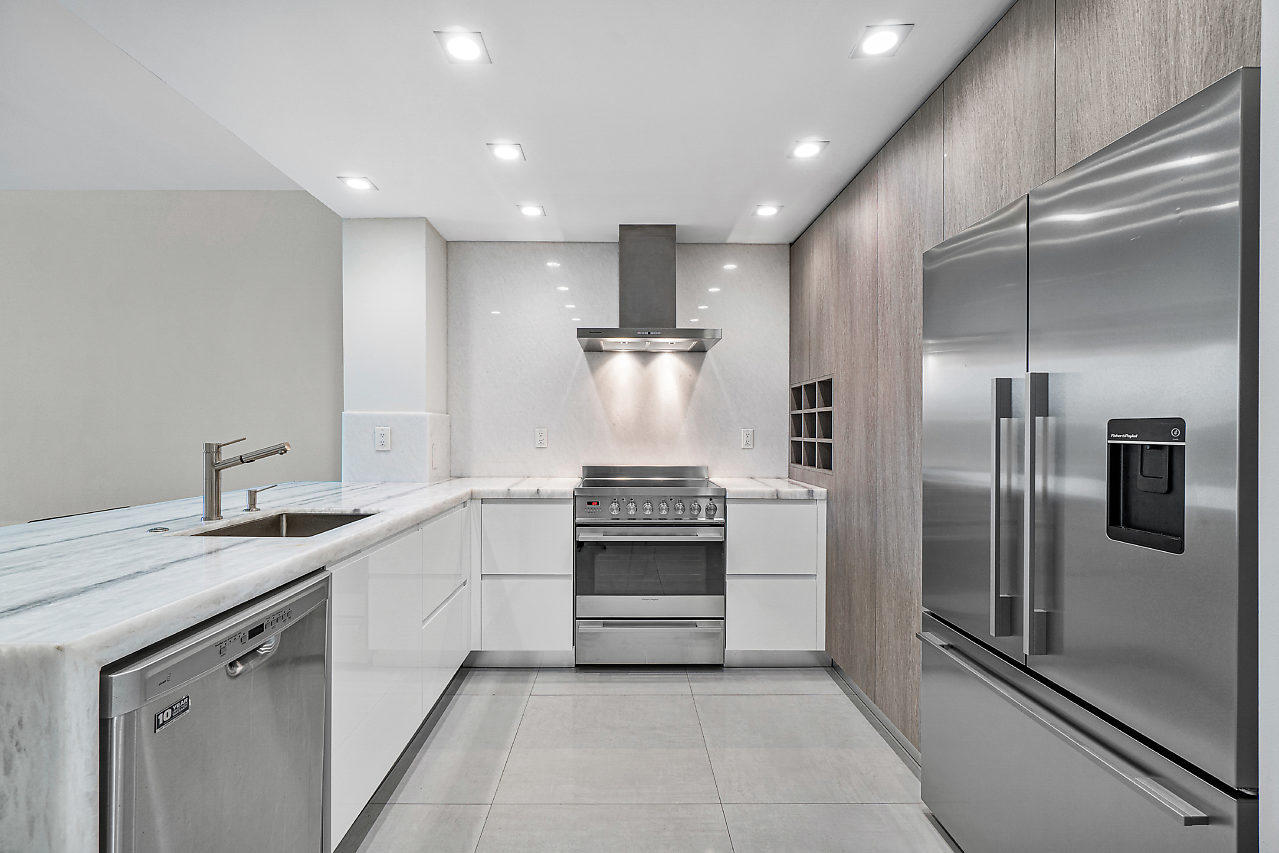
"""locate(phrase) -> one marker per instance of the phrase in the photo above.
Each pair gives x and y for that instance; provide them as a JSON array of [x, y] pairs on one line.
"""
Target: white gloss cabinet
[[527, 537], [526, 566], [772, 537], [775, 592], [527, 614], [401, 629]]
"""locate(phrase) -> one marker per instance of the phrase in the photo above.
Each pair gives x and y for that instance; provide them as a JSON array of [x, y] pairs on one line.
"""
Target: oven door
[[650, 572]]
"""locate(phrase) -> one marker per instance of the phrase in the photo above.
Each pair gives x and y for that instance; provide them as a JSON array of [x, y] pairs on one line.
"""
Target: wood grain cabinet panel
[[799, 328], [910, 198], [851, 578], [998, 107], [1122, 62]]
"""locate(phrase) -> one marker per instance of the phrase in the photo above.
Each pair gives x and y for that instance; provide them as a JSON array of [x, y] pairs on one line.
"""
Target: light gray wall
[[522, 368], [1268, 562], [136, 325]]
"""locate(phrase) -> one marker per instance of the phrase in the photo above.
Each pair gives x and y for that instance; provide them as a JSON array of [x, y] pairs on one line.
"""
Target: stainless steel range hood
[[646, 299]]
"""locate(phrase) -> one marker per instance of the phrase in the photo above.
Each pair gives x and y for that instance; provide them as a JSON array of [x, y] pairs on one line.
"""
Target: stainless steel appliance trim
[[1001, 409], [1127, 772], [639, 535], [649, 641], [1034, 621], [683, 624], [130, 687], [654, 606]]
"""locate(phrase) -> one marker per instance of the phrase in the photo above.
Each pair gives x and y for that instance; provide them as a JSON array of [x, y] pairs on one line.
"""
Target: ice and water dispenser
[[1146, 482]]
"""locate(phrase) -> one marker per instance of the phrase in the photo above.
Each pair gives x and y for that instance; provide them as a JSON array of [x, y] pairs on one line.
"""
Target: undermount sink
[[287, 524]]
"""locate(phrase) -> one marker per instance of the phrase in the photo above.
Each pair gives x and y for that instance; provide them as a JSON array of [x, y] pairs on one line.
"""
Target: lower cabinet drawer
[[772, 612], [1010, 765], [527, 613], [446, 636]]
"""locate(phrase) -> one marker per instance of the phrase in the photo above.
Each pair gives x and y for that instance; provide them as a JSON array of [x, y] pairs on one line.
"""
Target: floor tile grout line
[[509, 750], [702, 730]]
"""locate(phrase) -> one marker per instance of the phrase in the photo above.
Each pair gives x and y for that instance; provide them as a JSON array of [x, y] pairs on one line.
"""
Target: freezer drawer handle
[[1034, 621], [1123, 769], [250, 661], [1001, 409]]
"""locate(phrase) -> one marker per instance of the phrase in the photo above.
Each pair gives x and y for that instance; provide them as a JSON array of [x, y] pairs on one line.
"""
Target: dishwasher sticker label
[[171, 713]]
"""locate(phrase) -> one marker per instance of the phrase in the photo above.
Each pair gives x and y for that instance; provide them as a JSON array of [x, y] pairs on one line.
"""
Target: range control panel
[[668, 508]]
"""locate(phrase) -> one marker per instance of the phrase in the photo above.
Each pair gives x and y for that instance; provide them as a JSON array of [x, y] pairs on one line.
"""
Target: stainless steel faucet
[[214, 465]]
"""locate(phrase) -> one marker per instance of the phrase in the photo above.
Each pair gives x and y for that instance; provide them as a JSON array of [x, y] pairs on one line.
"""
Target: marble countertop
[[80, 592]]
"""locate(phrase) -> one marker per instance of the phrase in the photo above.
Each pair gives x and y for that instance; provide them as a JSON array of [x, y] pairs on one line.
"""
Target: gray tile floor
[[661, 760]]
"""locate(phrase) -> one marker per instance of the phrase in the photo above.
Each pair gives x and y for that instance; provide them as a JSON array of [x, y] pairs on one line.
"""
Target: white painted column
[[394, 350], [1268, 563]]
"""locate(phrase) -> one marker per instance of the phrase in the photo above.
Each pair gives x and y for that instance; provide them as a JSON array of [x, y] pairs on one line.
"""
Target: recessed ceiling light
[[561, 287], [532, 209], [702, 307], [570, 306], [506, 150], [807, 149], [712, 290], [463, 48], [881, 40], [577, 319], [767, 209], [495, 312], [357, 182], [552, 264], [694, 319], [730, 266]]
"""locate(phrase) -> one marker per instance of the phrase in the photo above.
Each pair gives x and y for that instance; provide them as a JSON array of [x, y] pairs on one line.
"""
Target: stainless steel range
[[649, 566]]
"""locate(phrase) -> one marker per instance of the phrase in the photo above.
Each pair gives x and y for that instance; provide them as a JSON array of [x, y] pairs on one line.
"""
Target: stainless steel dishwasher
[[216, 739]]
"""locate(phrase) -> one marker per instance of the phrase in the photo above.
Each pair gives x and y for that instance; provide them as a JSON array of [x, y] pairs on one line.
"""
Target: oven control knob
[[663, 508], [648, 507], [695, 510], [630, 507], [615, 508], [711, 509], [679, 507]]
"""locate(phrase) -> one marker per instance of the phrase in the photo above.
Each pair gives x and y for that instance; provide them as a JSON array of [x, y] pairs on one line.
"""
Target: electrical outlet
[[748, 439], [381, 438], [539, 438]]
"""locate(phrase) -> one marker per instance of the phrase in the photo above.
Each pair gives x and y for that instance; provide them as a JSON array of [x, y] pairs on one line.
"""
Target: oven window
[[650, 568]]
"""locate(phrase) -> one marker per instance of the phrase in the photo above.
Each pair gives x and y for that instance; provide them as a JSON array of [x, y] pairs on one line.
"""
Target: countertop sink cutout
[[286, 524]]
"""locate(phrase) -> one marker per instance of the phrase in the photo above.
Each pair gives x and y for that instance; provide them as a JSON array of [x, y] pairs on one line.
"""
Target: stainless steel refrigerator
[[1090, 515]]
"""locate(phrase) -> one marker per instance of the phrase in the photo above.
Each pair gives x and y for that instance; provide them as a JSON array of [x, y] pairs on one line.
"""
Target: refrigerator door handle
[[1125, 770], [1001, 409], [1034, 621]]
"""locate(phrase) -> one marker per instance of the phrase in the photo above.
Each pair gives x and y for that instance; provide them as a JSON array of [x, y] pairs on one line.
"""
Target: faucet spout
[[214, 465]]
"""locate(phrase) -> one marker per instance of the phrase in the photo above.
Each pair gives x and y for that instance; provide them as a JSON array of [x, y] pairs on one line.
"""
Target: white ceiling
[[76, 113], [656, 111]]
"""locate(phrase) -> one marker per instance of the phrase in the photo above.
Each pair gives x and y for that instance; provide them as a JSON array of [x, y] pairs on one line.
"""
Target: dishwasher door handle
[[250, 661]]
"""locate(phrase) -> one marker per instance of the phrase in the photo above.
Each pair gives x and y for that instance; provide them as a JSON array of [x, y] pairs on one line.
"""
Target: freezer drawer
[[1010, 765]]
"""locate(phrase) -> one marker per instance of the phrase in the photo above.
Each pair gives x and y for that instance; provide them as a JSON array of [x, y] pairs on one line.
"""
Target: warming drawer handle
[[704, 627], [250, 661], [1186, 813]]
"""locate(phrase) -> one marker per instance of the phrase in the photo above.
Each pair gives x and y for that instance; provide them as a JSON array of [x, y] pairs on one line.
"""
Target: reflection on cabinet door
[[446, 640], [527, 613], [446, 547]]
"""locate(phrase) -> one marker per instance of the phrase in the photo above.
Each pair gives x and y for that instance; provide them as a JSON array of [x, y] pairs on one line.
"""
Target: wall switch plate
[[748, 439], [539, 438], [381, 438]]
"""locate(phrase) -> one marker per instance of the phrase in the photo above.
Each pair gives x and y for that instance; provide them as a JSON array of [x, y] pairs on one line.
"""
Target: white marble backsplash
[[522, 368], [419, 448]]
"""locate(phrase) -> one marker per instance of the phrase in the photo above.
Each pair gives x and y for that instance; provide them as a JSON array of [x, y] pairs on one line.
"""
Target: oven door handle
[[641, 535]]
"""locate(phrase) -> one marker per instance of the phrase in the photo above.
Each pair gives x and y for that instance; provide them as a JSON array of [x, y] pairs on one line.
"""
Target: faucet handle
[[222, 444]]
